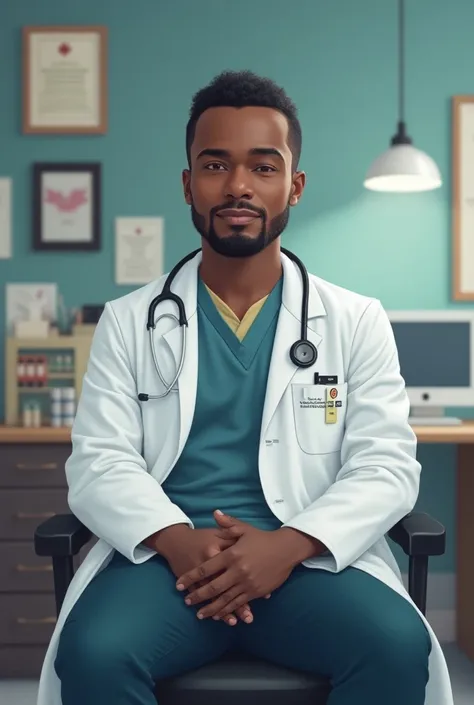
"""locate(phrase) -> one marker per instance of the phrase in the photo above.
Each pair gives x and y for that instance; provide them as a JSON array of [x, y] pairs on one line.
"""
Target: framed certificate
[[138, 249], [66, 206], [64, 80], [463, 197]]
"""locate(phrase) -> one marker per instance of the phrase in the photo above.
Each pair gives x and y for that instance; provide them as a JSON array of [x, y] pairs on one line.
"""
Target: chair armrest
[[418, 534], [61, 535]]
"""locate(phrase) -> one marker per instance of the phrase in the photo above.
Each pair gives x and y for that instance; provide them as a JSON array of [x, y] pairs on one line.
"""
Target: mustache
[[238, 205]]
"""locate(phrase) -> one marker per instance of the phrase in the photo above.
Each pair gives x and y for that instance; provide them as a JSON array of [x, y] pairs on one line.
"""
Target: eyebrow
[[223, 153]]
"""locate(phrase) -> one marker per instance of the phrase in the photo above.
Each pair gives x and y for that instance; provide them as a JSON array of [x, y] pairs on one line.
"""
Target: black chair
[[236, 679]]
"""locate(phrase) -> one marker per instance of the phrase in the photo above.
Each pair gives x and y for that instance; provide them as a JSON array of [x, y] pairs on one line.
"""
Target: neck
[[240, 282]]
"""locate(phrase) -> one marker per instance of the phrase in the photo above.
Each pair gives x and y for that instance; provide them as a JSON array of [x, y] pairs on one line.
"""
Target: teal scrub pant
[[131, 627]]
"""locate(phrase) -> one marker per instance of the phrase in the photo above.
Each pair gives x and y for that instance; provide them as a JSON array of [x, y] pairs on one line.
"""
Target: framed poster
[[463, 197], [65, 80], [66, 206], [26, 302]]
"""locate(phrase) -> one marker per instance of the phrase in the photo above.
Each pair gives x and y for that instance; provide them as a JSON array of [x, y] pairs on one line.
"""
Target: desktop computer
[[436, 352]]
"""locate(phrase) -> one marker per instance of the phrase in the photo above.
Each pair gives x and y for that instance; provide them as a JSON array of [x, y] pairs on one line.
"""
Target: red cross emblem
[[64, 49]]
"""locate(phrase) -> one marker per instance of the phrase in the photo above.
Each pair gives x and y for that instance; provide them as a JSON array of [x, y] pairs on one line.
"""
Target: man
[[242, 511]]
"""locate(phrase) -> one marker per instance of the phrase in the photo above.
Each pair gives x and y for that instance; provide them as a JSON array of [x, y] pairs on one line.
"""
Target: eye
[[265, 169], [214, 166]]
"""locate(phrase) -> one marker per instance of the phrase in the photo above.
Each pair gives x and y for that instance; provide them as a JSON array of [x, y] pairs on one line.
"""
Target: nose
[[238, 184]]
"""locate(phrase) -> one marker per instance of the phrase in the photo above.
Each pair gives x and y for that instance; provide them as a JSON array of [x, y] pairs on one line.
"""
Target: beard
[[237, 243]]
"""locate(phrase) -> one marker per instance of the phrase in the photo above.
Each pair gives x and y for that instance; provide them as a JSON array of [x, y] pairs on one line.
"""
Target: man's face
[[241, 183]]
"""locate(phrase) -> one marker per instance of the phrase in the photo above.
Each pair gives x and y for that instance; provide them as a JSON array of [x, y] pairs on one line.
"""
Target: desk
[[35, 457], [463, 436]]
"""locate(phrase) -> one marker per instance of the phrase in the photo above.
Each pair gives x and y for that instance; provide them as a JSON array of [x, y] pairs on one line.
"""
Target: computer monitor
[[436, 352]]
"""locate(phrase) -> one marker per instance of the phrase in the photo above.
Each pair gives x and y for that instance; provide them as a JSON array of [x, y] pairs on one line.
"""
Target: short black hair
[[240, 89]]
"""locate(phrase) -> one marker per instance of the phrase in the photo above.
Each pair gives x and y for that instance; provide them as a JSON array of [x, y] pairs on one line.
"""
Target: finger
[[230, 619], [225, 521], [205, 570], [211, 589], [244, 613], [228, 602]]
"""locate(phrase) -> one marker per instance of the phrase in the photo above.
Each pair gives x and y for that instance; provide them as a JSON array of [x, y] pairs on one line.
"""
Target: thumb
[[232, 527], [224, 520]]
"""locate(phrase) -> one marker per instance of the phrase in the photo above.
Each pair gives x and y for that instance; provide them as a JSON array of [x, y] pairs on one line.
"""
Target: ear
[[297, 187], [186, 179]]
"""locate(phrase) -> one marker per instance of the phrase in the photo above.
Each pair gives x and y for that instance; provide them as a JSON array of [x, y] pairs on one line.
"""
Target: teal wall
[[339, 65]]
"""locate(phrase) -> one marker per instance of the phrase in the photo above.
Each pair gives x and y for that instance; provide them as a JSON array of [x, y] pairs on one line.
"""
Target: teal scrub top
[[218, 468]]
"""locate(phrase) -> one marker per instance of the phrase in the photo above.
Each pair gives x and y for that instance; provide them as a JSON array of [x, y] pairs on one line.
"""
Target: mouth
[[237, 216]]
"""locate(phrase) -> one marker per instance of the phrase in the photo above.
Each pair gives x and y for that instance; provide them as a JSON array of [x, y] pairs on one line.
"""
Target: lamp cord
[[401, 60], [401, 136]]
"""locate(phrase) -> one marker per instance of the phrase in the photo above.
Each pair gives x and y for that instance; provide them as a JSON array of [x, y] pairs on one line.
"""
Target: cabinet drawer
[[21, 511], [33, 464], [21, 570], [27, 619], [21, 662]]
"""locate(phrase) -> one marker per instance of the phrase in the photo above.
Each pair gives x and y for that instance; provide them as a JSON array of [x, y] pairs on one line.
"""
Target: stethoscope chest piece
[[303, 353]]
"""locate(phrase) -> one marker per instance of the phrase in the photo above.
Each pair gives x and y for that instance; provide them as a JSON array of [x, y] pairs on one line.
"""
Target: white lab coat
[[346, 483]]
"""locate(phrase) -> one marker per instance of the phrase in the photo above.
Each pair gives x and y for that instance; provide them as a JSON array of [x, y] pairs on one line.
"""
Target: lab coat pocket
[[319, 411]]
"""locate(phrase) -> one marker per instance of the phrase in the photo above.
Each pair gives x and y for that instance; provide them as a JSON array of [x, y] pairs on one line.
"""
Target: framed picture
[[463, 197], [26, 302], [65, 80], [66, 206]]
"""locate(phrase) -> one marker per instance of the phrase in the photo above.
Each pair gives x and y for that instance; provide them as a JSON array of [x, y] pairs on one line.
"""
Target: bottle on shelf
[[68, 409], [27, 416], [30, 371], [68, 363], [56, 407], [59, 363], [36, 415], [21, 370], [41, 371]]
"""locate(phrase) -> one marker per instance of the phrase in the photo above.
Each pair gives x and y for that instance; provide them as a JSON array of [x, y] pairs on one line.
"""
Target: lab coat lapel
[[185, 286], [282, 370]]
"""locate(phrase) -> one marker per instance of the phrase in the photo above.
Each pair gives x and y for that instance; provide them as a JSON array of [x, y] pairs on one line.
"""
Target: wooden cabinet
[[32, 488]]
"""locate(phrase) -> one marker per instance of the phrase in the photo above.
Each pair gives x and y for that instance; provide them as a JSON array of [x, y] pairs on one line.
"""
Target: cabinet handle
[[35, 515], [41, 466], [40, 620], [20, 568]]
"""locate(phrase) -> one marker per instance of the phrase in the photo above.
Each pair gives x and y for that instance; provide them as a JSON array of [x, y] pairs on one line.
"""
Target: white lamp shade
[[402, 169]]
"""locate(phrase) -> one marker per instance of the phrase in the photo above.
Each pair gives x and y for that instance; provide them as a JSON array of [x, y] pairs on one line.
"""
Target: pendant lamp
[[402, 168]]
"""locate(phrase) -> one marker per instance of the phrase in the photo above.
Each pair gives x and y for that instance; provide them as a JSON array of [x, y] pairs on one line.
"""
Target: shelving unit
[[76, 347]]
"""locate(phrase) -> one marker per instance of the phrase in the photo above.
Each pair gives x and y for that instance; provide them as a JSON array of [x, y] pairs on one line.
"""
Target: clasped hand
[[254, 566]]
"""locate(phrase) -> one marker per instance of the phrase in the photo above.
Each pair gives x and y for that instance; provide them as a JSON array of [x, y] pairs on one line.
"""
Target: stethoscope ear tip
[[143, 397]]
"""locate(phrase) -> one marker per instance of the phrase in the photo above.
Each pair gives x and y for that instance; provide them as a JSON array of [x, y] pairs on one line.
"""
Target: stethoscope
[[302, 353]]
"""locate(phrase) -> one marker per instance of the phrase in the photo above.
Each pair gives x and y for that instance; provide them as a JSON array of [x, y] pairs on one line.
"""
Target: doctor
[[253, 477]]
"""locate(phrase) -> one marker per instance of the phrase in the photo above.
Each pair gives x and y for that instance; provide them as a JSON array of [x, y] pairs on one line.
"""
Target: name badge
[[331, 408]]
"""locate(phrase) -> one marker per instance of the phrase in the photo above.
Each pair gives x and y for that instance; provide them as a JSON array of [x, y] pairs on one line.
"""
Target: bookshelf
[[35, 366]]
